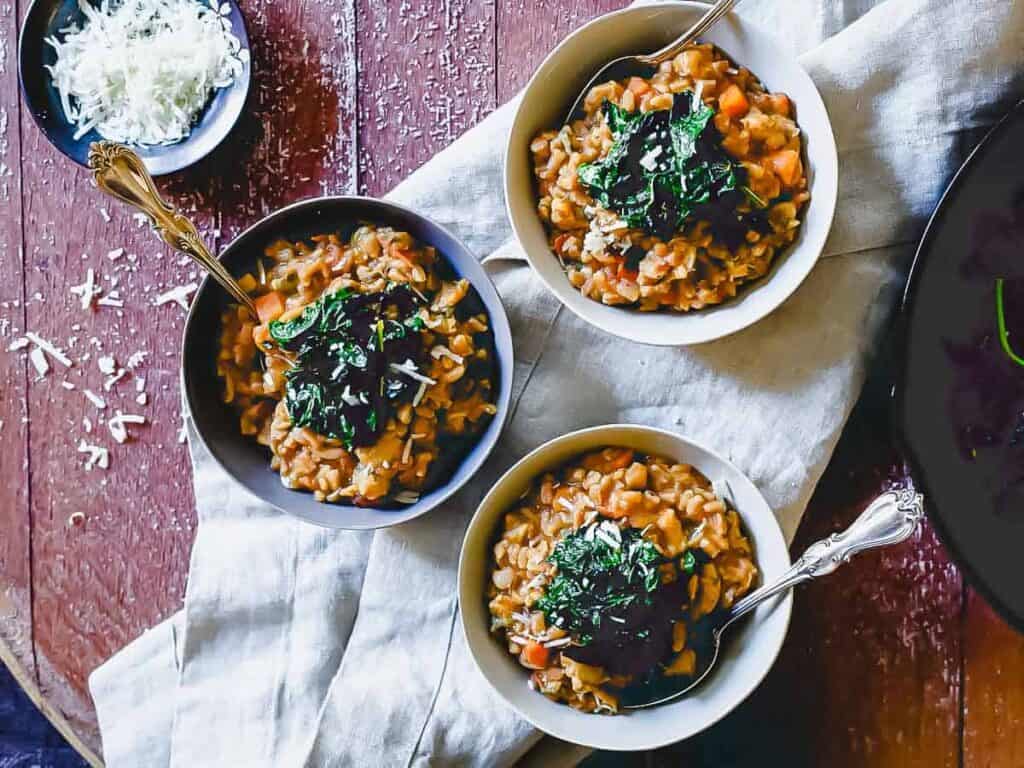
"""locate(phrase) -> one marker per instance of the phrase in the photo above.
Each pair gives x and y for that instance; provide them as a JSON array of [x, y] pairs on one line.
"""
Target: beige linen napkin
[[321, 648]]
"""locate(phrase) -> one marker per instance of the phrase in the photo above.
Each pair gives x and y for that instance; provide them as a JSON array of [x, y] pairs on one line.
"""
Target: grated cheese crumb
[[95, 399], [179, 295], [117, 424], [125, 73], [49, 349], [88, 290], [39, 361], [98, 455]]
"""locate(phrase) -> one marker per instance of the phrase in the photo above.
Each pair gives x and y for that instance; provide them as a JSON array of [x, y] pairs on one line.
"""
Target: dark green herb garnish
[[343, 384], [603, 590], [1004, 333], [667, 168]]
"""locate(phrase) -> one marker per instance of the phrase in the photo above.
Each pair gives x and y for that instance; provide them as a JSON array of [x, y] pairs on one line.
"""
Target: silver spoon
[[632, 65], [889, 519], [119, 172]]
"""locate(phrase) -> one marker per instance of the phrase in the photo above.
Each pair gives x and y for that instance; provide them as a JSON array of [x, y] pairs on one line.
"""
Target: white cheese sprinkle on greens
[[410, 370], [141, 71]]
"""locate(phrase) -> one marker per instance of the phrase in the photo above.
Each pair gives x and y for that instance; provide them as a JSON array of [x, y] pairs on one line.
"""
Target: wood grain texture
[[527, 33], [15, 521], [869, 673], [993, 689], [426, 74], [353, 95]]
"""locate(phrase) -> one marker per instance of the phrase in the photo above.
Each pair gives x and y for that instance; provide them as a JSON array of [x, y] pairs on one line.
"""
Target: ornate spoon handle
[[120, 173], [708, 20], [889, 519]]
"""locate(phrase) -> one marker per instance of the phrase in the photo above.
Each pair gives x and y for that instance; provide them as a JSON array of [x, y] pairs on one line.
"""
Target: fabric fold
[[301, 646]]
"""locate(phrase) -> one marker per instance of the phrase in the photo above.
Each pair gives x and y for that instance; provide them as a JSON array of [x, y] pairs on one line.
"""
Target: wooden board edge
[[57, 720]]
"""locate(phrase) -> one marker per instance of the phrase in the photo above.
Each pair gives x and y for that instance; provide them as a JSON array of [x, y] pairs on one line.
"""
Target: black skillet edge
[[899, 368]]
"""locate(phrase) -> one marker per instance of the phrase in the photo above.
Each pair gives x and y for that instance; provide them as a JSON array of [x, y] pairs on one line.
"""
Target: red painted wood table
[[891, 662]]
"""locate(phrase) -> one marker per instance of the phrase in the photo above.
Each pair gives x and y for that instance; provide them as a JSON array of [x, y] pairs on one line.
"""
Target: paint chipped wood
[[352, 95]]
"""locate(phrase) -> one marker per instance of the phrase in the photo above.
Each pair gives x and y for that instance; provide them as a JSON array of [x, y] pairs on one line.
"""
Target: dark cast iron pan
[[958, 398]]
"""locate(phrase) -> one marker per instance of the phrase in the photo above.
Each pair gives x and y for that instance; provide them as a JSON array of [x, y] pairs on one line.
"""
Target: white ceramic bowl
[[640, 29], [749, 649]]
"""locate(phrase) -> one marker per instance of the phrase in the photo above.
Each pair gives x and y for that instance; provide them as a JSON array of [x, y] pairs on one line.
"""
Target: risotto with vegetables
[[369, 372], [674, 190], [602, 574]]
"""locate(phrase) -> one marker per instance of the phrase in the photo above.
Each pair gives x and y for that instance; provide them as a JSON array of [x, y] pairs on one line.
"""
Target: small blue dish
[[44, 19], [216, 423]]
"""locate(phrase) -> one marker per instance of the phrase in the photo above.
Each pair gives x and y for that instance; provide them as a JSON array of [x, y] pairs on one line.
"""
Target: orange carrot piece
[[733, 102], [623, 459], [536, 655], [638, 85], [269, 306], [786, 164], [404, 255], [780, 104]]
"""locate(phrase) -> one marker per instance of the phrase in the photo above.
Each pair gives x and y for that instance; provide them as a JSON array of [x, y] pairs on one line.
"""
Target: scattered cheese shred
[[95, 399], [49, 348], [88, 290], [117, 424], [178, 295], [39, 361], [140, 72], [98, 456], [410, 370], [442, 351]]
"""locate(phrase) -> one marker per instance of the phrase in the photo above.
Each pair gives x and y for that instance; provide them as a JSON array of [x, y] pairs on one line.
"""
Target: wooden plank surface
[[15, 522], [993, 689], [426, 74], [352, 95]]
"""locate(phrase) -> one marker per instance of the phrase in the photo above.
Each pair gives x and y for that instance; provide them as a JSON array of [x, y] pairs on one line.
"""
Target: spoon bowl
[[892, 517], [645, 65]]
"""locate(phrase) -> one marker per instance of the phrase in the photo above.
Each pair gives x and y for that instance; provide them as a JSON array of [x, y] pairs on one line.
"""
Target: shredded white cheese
[[650, 159], [178, 295], [98, 456], [442, 351], [140, 72], [49, 348], [88, 290], [410, 370], [39, 361], [117, 424], [95, 399]]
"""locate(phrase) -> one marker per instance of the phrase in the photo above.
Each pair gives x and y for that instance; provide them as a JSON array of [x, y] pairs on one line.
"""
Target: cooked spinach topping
[[667, 168], [343, 384], [607, 589]]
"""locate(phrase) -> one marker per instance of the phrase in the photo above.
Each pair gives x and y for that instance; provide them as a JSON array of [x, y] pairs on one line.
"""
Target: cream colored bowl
[[749, 649], [553, 89]]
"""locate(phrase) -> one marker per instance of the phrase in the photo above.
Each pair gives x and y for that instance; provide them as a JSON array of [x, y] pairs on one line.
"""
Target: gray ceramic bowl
[[217, 423], [747, 653]]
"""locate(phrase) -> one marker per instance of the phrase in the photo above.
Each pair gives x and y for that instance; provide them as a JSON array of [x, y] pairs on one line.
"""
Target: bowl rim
[[561, 287], [154, 165], [502, 338], [783, 603]]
